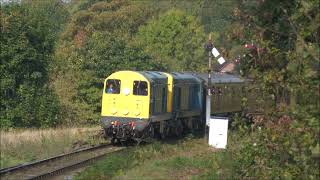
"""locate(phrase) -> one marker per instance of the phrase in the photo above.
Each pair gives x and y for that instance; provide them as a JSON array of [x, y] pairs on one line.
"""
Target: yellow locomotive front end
[[126, 94], [125, 104]]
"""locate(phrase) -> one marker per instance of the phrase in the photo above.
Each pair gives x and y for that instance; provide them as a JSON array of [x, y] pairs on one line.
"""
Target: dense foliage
[[174, 41], [283, 58], [28, 33]]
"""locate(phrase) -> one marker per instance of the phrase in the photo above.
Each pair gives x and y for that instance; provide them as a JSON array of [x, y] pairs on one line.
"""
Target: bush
[[280, 147]]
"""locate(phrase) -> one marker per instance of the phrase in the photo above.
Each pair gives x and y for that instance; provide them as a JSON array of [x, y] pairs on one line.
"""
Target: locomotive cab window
[[113, 86], [140, 88]]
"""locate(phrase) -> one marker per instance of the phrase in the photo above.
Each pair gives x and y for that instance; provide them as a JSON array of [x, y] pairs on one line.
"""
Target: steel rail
[[17, 167], [70, 167], [12, 170]]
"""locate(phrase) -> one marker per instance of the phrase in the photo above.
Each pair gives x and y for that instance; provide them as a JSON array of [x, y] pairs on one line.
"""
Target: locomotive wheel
[[196, 125], [114, 141], [105, 134], [151, 132], [138, 141], [178, 129], [165, 133], [162, 135]]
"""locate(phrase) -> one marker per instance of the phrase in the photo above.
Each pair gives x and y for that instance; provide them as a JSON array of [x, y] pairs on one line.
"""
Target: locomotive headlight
[[137, 113], [113, 111], [126, 91]]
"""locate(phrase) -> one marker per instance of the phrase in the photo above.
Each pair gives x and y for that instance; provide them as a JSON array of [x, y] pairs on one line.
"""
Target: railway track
[[56, 165]]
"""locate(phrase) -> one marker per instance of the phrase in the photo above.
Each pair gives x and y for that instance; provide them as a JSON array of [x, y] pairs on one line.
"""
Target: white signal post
[[209, 47], [211, 51]]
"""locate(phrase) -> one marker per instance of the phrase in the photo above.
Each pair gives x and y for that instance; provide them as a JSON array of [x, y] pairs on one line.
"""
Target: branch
[[314, 55]]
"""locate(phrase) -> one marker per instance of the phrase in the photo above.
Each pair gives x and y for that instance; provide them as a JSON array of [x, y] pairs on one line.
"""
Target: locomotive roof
[[160, 77], [186, 77], [220, 77], [154, 76]]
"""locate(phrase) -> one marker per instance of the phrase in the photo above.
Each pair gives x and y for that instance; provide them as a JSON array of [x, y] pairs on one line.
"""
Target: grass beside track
[[21, 146], [188, 158]]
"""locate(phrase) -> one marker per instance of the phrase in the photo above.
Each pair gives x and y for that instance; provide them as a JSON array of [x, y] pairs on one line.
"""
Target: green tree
[[284, 60], [216, 15], [174, 40], [94, 44], [28, 32]]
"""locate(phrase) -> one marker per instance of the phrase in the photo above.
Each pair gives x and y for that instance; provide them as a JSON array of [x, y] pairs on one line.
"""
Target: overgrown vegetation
[[28, 34], [169, 41], [280, 147], [283, 58], [177, 159], [276, 150], [21, 145]]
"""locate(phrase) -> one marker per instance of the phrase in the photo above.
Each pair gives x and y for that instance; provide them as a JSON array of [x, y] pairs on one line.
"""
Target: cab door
[[140, 98], [112, 95]]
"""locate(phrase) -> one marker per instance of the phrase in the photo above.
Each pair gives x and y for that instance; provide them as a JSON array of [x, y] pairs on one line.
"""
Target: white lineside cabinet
[[218, 132]]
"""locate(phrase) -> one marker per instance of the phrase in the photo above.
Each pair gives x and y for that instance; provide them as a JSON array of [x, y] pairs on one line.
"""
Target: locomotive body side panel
[[226, 97], [187, 95], [226, 90], [170, 92]]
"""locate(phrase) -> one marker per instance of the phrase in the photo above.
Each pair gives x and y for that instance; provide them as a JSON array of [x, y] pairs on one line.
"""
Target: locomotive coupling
[[123, 128], [123, 131]]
